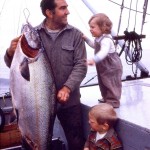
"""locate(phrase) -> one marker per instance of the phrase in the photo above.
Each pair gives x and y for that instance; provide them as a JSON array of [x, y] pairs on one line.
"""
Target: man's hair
[[104, 113], [47, 4], [103, 22]]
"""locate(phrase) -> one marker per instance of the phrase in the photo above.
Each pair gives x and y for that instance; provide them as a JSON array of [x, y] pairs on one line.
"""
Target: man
[[67, 54]]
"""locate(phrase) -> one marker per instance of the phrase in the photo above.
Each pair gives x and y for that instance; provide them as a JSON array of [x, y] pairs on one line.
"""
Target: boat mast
[[144, 14]]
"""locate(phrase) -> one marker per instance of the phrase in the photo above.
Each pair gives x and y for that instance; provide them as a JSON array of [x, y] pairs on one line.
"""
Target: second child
[[102, 119]]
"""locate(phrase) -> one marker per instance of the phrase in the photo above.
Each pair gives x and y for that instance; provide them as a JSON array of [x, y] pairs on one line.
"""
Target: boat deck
[[134, 113], [135, 101], [133, 126]]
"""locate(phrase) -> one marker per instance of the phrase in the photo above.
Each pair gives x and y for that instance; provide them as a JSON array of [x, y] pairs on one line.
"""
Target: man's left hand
[[63, 94]]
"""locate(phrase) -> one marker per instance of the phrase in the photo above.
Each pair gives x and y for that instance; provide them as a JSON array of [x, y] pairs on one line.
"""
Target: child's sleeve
[[89, 42], [105, 47]]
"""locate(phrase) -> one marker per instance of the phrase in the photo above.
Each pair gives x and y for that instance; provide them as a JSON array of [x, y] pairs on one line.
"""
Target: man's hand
[[91, 62], [63, 94], [86, 148], [12, 47]]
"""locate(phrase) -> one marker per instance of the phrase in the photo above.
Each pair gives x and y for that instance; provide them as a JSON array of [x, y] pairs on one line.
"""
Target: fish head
[[31, 47], [31, 36]]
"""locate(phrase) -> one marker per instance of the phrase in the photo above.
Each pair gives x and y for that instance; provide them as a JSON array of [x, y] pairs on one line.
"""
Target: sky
[[14, 13]]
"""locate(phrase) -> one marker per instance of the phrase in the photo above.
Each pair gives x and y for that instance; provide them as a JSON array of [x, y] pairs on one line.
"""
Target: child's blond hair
[[103, 22], [104, 113]]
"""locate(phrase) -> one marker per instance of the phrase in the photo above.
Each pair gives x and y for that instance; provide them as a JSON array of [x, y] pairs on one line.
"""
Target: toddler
[[108, 63], [102, 119]]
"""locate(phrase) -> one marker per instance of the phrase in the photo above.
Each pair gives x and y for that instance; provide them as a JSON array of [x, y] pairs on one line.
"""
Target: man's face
[[60, 14]]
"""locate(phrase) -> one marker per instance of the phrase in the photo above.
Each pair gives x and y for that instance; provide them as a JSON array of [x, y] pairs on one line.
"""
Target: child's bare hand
[[91, 62], [86, 148], [84, 37]]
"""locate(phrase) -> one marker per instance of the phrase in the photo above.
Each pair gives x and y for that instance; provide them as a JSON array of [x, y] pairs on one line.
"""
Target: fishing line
[[2, 7], [79, 15], [19, 20], [26, 15], [2, 10]]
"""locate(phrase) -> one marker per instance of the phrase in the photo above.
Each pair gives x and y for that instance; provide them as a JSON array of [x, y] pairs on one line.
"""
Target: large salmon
[[33, 95]]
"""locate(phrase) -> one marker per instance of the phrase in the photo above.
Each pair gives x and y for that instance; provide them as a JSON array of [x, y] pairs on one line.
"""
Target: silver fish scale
[[34, 99]]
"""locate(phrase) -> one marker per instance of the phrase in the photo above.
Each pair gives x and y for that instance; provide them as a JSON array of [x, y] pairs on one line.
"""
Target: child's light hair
[[103, 22], [104, 113]]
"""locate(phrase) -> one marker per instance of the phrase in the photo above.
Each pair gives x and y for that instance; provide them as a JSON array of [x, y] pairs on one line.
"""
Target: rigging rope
[[127, 7], [132, 45], [129, 15], [144, 14], [119, 24], [133, 49], [135, 14], [133, 39]]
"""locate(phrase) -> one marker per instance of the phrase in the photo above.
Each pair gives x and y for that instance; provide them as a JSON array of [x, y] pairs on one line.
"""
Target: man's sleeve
[[8, 59]]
